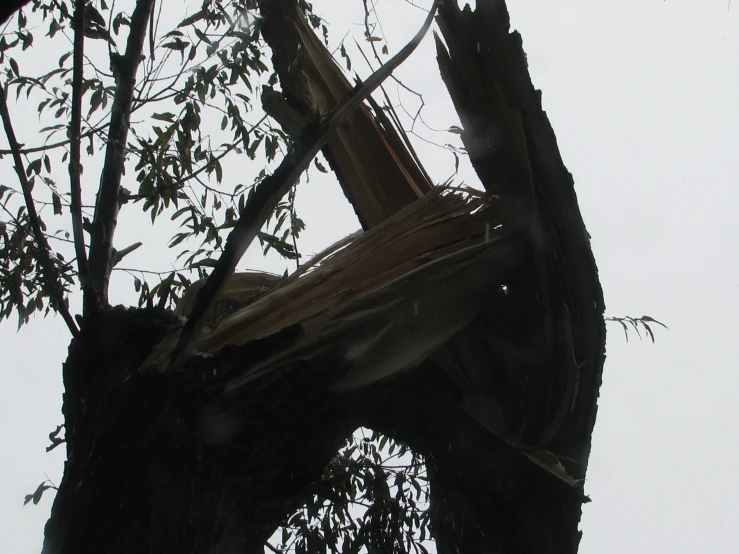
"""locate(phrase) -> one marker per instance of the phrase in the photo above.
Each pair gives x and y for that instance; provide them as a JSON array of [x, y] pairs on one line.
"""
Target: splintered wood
[[488, 303], [387, 299]]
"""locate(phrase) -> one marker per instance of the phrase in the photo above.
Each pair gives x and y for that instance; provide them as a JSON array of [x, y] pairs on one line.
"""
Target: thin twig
[[44, 251], [377, 56], [108, 199], [381, 116], [271, 190], [53, 145], [74, 137], [131, 271]]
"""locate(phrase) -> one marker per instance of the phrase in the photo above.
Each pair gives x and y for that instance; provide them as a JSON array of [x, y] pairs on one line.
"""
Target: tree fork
[[109, 198]]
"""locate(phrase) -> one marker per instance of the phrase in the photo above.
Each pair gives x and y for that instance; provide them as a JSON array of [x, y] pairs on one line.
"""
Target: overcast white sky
[[643, 98]]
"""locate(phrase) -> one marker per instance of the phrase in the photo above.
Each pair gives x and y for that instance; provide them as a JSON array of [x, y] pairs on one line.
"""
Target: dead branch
[[74, 138], [57, 295], [269, 192], [108, 199]]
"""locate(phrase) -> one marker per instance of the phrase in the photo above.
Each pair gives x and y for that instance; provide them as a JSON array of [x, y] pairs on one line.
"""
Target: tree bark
[[9, 7], [168, 463], [486, 495]]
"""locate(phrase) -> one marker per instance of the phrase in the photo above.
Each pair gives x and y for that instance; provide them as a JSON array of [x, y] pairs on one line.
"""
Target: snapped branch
[[51, 275], [271, 190]]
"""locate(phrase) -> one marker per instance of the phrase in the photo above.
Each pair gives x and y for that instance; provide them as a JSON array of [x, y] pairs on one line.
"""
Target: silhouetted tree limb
[[51, 275]]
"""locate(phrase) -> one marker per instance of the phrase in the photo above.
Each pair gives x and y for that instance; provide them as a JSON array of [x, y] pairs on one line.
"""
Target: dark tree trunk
[[170, 463], [485, 494], [9, 7]]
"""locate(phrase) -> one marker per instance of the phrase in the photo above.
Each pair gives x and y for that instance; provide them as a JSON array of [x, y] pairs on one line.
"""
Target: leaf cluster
[[629, 322], [25, 286], [372, 497]]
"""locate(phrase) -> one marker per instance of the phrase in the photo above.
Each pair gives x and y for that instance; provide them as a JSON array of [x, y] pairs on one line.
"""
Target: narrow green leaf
[[166, 116]]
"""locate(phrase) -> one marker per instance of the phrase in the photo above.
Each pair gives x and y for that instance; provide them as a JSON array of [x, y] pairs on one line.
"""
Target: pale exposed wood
[[392, 294], [360, 153], [266, 195]]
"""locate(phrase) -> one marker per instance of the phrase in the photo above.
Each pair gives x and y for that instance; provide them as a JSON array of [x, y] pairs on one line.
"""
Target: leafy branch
[[634, 322], [45, 147], [51, 277]]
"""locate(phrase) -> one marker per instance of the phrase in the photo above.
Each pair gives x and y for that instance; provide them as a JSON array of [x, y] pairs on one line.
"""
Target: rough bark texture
[[514, 151], [486, 494], [168, 463], [485, 70]]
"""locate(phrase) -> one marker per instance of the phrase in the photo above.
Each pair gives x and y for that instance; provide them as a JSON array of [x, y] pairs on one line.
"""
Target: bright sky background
[[643, 97]]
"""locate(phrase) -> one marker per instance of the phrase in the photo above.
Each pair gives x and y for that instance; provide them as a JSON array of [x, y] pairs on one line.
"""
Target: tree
[[468, 327]]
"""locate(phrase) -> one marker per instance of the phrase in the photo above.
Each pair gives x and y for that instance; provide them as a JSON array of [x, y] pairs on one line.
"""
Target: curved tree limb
[[269, 192], [44, 251]]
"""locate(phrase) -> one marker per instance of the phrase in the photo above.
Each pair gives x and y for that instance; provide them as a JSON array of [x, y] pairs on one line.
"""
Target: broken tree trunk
[[485, 70], [527, 369], [168, 463], [468, 326], [556, 338], [209, 456]]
